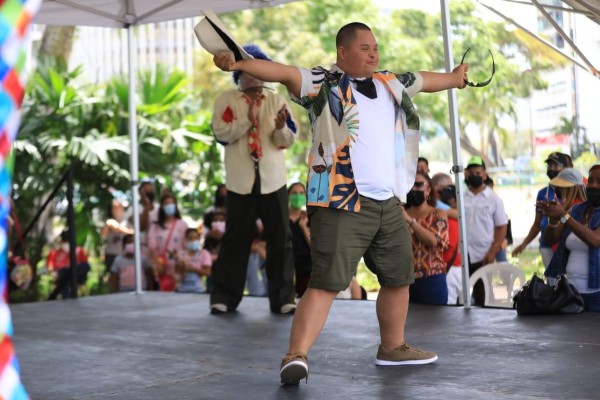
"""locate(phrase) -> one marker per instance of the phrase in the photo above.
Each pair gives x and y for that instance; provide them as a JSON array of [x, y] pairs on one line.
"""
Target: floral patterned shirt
[[332, 109], [429, 261]]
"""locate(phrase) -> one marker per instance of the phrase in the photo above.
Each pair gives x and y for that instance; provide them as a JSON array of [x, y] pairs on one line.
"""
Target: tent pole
[[457, 167], [133, 159]]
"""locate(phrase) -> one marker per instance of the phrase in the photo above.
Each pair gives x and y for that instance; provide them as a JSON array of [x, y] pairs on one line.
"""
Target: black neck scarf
[[366, 87]]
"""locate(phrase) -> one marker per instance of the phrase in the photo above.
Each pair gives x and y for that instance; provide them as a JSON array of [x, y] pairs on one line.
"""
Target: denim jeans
[[429, 290]]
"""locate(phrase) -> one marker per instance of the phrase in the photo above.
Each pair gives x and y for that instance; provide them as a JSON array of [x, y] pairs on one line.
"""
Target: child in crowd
[[123, 268], [193, 264]]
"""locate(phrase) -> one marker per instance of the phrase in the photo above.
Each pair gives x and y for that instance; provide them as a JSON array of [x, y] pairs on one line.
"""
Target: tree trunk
[[57, 43]]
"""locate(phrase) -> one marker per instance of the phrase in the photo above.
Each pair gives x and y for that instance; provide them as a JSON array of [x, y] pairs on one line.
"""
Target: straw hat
[[215, 38]]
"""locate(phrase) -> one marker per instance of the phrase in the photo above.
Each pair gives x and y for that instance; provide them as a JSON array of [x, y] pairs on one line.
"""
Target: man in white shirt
[[486, 221]]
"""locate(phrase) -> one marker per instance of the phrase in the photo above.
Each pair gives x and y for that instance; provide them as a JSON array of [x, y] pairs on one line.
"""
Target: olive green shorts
[[340, 238]]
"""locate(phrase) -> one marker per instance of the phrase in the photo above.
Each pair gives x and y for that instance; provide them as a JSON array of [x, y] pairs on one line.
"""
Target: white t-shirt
[[373, 151], [484, 211], [578, 265]]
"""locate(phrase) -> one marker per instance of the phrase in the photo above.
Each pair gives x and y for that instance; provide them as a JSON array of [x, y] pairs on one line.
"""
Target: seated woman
[[577, 232], [429, 230]]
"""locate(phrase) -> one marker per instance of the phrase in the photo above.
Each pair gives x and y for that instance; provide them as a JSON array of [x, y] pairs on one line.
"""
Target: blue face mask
[[170, 209], [194, 245]]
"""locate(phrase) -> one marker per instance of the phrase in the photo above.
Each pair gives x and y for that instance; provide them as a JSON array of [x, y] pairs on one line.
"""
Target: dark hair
[[219, 201], [125, 239], [489, 182], [162, 217], [210, 216], [190, 230], [64, 235], [255, 52], [294, 184], [424, 160], [347, 33], [432, 199], [211, 243]]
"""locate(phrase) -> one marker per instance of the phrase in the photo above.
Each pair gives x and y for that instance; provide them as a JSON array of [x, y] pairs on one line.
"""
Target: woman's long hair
[[432, 198], [570, 194]]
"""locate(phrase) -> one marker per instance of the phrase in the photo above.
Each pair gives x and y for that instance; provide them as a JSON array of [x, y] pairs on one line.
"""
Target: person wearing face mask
[[254, 125], [428, 227], [555, 163], [123, 268], [193, 264], [486, 221], [300, 236], [577, 232], [166, 238], [59, 265]]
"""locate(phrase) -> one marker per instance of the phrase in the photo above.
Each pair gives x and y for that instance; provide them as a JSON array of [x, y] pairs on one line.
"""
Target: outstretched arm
[[438, 81], [267, 71]]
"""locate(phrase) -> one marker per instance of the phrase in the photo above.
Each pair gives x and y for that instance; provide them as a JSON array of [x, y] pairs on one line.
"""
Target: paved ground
[[167, 346]]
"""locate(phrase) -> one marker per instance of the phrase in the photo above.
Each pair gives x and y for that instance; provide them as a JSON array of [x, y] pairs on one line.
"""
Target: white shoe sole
[[293, 372], [407, 362]]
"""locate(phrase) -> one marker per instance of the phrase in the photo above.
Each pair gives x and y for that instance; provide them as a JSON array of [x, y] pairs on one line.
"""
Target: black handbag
[[538, 297]]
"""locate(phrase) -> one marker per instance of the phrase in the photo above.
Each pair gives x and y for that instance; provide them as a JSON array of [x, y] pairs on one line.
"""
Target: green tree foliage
[[67, 124]]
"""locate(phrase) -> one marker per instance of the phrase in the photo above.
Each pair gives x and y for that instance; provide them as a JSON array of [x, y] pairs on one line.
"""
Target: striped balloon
[[15, 19]]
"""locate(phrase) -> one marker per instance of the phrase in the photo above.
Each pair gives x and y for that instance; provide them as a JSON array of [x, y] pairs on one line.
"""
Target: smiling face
[[360, 55]]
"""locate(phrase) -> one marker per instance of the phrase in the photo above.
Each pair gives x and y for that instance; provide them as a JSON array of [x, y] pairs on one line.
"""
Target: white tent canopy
[[126, 14]]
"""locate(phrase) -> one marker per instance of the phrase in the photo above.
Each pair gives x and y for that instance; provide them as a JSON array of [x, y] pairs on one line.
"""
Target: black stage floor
[[167, 346]]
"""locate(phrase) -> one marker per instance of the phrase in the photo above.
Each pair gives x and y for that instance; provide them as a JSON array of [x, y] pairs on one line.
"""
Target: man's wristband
[[565, 218]]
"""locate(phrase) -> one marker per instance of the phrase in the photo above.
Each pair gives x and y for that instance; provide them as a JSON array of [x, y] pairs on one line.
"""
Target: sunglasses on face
[[484, 83]]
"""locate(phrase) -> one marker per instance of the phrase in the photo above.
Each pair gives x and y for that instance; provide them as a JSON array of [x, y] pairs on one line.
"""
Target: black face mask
[[150, 196], [552, 174], [474, 181], [415, 198], [593, 196]]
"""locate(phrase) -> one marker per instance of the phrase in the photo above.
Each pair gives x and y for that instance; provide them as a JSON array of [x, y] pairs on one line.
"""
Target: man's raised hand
[[224, 60]]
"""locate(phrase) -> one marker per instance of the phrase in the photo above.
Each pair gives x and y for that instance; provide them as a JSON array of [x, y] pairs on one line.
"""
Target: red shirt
[[59, 259], [453, 241]]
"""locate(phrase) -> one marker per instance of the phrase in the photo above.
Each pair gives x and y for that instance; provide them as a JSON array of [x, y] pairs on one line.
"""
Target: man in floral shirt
[[362, 163]]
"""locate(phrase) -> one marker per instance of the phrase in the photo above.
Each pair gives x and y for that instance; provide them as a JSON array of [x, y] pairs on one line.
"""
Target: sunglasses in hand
[[484, 83]]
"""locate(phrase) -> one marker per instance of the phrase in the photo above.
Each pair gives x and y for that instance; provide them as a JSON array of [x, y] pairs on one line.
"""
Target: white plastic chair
[[501, 282]]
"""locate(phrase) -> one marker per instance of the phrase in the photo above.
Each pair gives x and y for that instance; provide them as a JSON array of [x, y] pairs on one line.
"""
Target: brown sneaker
[[294, 368], [404, 355]]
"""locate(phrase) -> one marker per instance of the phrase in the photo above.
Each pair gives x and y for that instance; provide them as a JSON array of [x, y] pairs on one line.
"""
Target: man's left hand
[[460, 73]]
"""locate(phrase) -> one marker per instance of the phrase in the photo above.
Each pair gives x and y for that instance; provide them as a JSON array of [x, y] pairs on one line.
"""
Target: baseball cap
[[559, 158], [568, 177], [475, 161]]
